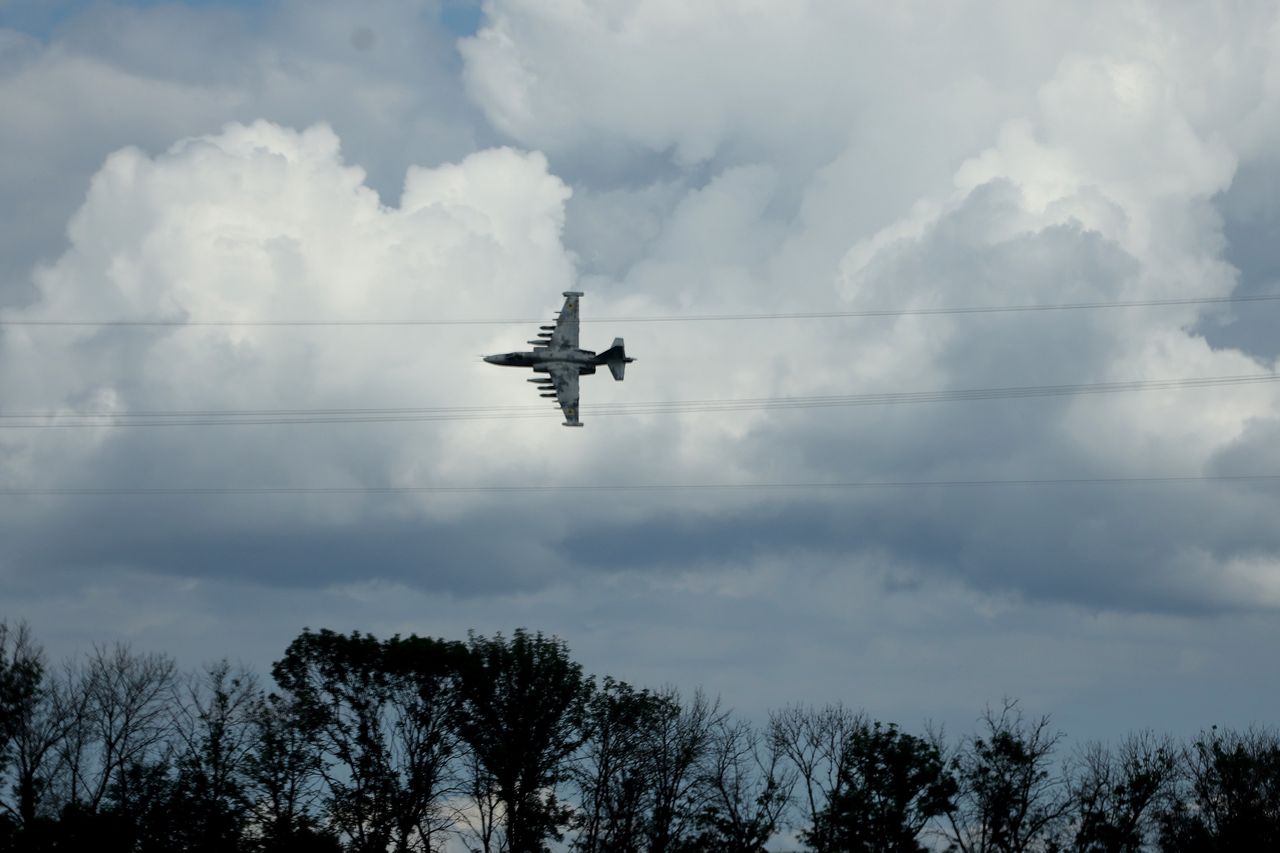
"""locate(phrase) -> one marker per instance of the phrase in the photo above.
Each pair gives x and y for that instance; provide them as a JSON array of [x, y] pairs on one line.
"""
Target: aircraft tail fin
[[616, 357]]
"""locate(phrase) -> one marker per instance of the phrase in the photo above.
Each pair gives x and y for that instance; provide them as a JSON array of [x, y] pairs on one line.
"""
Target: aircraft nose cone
[[492, 359]]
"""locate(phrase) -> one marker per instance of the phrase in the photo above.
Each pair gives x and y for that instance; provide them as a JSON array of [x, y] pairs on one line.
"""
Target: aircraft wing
[[565, 334], [565, 378]]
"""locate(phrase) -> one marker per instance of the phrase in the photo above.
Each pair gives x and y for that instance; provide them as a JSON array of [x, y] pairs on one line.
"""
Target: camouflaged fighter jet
[[556, 354]]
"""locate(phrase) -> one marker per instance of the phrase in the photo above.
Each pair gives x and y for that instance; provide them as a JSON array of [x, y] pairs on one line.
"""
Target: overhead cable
[[665, 318], [631, 487], [258, 417]]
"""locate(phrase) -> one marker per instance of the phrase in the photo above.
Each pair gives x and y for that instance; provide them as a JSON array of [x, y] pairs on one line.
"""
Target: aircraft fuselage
[[584, 360]]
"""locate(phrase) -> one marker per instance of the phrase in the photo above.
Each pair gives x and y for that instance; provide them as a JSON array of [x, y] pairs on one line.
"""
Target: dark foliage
[[380, 714], [614, 775], [504, 746], [522, 710], [1117, 793], [892, 784], [1230, 796], [1007, 798]]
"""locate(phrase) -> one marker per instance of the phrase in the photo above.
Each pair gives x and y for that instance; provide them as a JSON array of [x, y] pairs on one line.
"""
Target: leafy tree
[[380, 713], [1007, 800], [522, 713], [892, 784], [31, 724], [214, 739], [614, 775], [282, 774], [20, 673], [1232, 796], [1117, 793], [21, 678]]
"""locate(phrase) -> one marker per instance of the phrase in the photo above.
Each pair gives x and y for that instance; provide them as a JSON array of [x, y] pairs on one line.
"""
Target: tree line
[[503, 744]]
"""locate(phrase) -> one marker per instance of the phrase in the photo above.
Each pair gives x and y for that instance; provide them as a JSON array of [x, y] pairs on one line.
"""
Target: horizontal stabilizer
[[616, 357]]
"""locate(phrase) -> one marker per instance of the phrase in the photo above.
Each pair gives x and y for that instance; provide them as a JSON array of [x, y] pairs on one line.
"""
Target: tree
[[483, 820], [677, 750], [1117, 793], [522, 709], [31, 724], [214, 738], [21, 670], [1231, 797], [1007, 800], [615, 772], [892, 784], [118, 721], [815, 742], [747, 788], [21, 681], [283, 780], [380, 712]]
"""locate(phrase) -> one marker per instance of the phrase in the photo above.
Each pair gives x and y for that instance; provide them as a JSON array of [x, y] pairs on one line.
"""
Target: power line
[[631, 487], [258, 417], [668, 318]]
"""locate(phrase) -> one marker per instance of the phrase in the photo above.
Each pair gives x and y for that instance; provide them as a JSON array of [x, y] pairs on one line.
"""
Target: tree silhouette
[[615, 773], [1117, 793], [892, 784], [379, 712], [1007, 800], [1231, 797], [678, 748], [118, 709], [522, 712], [31, 725], [747, 788], [815, 741], [282, 774], [213, 740], [503, 745]]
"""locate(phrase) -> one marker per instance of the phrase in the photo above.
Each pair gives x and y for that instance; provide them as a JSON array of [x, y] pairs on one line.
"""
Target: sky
[[323, 160]]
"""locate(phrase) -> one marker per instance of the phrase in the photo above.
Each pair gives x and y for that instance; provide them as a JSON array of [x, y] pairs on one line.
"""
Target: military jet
[[556, 354]]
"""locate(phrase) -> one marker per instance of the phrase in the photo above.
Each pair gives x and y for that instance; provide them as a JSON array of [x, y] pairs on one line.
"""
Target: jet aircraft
[[556, 353]]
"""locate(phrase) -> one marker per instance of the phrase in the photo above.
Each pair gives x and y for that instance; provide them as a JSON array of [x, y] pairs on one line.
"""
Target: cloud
[[1099, 183], [261, 222], [112, 75], [666, 159]]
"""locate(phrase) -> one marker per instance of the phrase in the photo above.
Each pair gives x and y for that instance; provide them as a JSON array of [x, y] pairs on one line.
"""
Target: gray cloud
[[998, 154], [1251, 229], [112, 75]]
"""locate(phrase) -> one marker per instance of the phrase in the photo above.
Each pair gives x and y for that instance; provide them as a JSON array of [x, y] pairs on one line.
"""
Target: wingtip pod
[[573, 293], [572, 423]]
